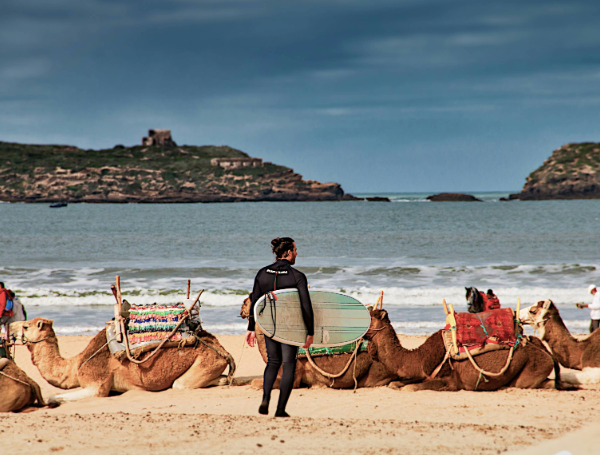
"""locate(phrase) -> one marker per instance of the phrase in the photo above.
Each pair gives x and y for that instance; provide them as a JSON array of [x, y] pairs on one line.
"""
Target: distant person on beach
[[6, 297], [594, 307], [280, 275]]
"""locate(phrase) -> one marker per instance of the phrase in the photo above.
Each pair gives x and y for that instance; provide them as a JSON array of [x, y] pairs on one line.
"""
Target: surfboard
[[339, 319]]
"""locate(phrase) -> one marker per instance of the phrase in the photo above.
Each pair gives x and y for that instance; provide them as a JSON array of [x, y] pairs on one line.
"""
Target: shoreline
[[377, 420]]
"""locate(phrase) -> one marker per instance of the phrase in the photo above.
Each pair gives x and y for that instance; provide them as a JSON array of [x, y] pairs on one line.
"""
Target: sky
[[378, 95]]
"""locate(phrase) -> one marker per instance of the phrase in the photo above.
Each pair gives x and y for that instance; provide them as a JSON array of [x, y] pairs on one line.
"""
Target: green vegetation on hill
[[571, 172], [144, 174]]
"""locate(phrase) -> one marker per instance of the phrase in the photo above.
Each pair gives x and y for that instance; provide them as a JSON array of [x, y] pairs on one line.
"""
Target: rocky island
[[452, 197], [157, 171], [571, 172]]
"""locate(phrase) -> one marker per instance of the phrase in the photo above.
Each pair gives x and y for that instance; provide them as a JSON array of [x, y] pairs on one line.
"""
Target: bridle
[[372, 337], [538, 325], [25, 341]]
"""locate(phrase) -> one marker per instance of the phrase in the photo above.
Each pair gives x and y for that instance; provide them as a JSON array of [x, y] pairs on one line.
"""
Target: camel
[[570, 352], [18, 390], [98, 373], [530, 366], [368, 373]]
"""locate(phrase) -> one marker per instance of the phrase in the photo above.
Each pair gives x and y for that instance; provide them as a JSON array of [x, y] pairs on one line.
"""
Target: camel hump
[[3, 363]]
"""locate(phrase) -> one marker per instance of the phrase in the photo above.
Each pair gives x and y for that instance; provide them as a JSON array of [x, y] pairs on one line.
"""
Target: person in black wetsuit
[[280, 275]]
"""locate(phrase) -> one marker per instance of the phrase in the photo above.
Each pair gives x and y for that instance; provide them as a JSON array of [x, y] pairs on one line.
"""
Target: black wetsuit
[[281, 275]]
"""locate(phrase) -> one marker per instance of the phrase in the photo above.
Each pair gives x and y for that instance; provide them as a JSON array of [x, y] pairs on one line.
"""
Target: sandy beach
[[225, 419]]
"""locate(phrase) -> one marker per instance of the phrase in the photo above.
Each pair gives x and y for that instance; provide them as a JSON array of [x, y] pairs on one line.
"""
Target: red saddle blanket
[[494, 326]]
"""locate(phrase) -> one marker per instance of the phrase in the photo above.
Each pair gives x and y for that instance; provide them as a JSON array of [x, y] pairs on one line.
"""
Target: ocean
[[61, 262]]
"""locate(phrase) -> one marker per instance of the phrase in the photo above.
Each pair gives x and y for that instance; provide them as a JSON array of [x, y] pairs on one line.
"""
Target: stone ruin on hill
[[236, 163], [159, 137]]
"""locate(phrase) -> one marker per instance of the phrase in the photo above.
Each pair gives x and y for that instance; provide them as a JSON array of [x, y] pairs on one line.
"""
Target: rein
[[15, 379], [25, 341]]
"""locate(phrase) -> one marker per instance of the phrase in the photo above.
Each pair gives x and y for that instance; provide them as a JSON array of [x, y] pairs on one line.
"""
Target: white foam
[[78, 330]]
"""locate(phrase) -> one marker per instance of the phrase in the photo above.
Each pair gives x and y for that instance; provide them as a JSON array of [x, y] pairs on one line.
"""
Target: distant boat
[[58, 205]]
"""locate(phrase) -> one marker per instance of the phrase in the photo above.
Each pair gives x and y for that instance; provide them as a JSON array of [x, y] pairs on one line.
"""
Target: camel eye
[[533, 310]]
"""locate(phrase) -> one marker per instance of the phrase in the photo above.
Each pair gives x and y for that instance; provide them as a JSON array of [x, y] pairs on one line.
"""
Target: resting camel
[[369, 373], [98, 372], [570, 352], [530, 366], [18, 390]]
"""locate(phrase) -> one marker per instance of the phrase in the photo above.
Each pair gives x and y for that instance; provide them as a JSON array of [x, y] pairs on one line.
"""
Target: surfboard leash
[[271, 298]]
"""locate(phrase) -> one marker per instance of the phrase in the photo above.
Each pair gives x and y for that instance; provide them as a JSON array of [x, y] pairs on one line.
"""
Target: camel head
[[34, 331], [537, 315], [379, 321], [245, 310]]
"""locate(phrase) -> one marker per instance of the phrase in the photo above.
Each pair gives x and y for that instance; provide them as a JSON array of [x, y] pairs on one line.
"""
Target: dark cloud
[[378, 95]]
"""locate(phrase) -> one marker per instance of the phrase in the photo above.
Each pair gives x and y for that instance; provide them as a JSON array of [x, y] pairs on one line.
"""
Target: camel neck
[[415, 364], [564, 346], [55, 369]]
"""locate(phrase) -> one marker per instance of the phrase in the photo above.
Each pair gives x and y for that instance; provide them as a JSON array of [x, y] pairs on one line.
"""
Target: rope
[[479, 379], [93, 355], [232, 368], [439, 367], [162, 343], [487, 373], [27, 341], [15, 379], [334, 376], [354, 375], [239, 362], [481, 325]]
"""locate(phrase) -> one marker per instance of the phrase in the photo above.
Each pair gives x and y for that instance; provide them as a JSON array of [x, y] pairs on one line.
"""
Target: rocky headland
[[159, 172], [571, 172]]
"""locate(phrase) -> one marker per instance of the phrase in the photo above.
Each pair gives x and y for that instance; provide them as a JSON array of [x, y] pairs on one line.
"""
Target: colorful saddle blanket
[[154, 322], [150, 325], [482, 332], [345, 349]]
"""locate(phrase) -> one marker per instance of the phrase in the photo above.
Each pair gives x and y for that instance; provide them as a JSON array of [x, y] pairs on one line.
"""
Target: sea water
[[61, 262]]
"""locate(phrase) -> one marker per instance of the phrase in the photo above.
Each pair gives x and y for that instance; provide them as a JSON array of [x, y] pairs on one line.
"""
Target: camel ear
[[40, 324], [382, 314]]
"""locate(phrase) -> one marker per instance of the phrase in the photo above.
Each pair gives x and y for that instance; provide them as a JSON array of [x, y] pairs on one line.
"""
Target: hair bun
[[281, 245]]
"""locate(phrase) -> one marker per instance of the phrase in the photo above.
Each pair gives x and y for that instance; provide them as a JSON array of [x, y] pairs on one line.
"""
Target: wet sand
[[325, 421]]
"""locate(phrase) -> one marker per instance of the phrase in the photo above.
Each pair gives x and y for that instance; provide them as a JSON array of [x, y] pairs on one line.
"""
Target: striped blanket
[[154, 322], [345, 349]]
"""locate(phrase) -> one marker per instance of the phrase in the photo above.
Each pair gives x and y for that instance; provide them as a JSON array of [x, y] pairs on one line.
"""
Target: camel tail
[[583, 377]]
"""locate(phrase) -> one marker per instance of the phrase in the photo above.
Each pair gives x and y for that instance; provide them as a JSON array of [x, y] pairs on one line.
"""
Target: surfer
[[280, 275]]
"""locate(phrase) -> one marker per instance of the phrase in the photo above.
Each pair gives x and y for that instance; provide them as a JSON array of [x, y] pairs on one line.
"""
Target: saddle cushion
[[345, 349], [481, 332], [494, 326], [154, 322]]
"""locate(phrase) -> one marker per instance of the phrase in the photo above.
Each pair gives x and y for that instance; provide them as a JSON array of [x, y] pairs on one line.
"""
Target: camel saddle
[[150, 325], [481, 332], [344, 349]]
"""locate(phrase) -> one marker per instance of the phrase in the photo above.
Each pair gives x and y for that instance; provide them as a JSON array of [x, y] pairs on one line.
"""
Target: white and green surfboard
[[339, 319]]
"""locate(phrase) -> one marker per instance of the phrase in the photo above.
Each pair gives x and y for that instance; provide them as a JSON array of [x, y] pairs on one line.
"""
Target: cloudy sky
[[378, 95]]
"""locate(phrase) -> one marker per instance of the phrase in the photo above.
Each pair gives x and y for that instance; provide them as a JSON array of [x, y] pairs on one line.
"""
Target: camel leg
[[80, 394], [201, 374], [37, 394], [534, 374], [434, 384]]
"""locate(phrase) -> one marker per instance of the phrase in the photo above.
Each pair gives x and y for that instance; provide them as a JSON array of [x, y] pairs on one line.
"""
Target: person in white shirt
[[594, 307]]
